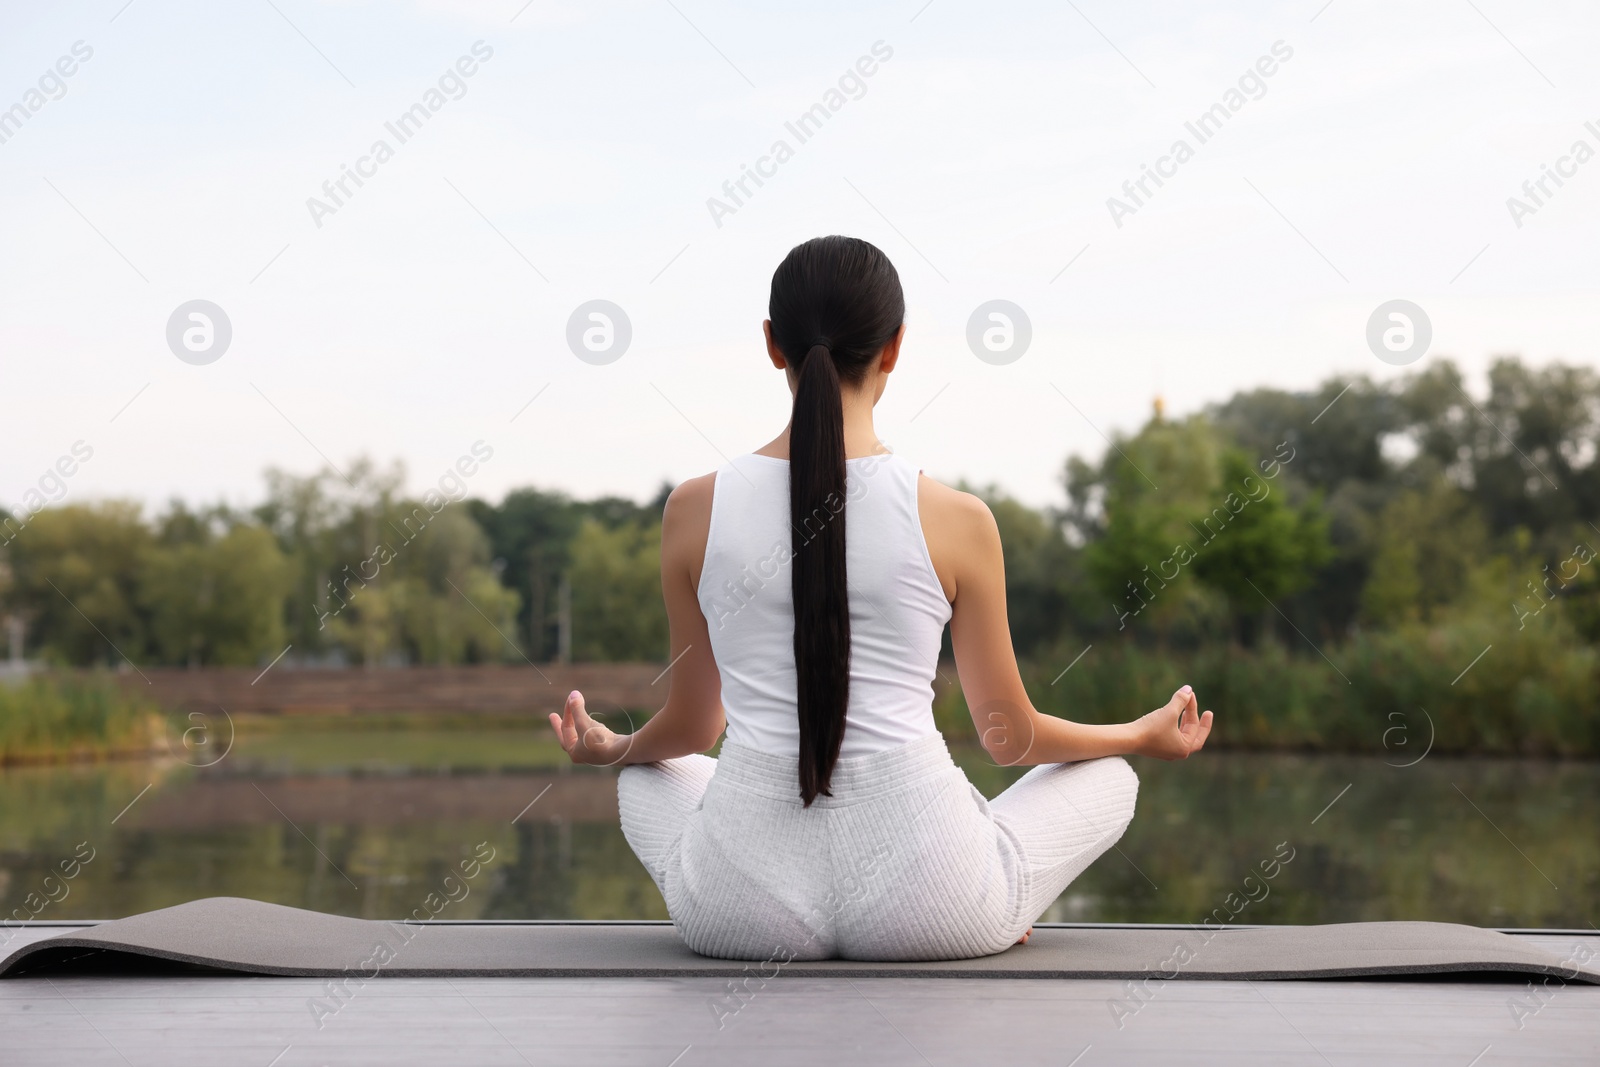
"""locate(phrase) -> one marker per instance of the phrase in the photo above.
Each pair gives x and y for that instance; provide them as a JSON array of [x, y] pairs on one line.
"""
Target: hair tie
[[822, 342]]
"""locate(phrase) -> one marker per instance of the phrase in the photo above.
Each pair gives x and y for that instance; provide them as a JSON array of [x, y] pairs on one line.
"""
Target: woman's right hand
[[1176, 731], [583, 739]]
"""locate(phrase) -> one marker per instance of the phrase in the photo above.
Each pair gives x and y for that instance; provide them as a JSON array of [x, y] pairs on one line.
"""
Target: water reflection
[[369, 824]]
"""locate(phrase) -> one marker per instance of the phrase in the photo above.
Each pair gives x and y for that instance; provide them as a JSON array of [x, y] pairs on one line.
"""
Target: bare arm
[[964, 543], [692, 718]]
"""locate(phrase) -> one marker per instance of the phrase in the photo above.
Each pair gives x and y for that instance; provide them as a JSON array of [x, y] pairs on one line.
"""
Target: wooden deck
[[268, 1022]]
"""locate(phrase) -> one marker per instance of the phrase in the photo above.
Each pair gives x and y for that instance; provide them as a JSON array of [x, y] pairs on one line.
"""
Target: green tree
[[1134, 512], [1427, 542], [425, 594], [532, 531], [76, 581], [1260, 547], [1044, 574], [1526, 451], [617, 610], [1337, 433], [326, 524], [216, 600]]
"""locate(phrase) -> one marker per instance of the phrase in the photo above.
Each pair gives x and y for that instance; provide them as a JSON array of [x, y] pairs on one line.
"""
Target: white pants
[[905, 861]]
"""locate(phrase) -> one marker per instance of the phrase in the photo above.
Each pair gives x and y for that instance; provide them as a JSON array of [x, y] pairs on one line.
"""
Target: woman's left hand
[[584, 740], [1176, 731]]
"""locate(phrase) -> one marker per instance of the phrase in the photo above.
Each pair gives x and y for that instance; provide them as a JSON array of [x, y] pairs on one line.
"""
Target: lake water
[[379, 822]]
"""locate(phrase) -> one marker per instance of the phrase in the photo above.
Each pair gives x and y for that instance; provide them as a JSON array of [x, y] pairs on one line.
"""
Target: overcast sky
[[421, 312]]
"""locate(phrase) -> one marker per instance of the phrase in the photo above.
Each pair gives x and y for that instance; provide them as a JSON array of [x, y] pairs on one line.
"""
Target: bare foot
[[1023, 940]]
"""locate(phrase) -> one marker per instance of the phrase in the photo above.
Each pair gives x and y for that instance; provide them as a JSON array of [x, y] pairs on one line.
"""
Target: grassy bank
[[49, 718]]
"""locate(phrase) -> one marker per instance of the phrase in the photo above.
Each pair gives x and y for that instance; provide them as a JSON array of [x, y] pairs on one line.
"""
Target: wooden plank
[[790, 1019], [650, 1021]]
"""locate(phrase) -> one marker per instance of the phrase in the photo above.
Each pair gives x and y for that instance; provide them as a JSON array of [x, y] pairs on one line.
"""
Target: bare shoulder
[[690, 502], [962, 514], [686, 524], [959, 529]]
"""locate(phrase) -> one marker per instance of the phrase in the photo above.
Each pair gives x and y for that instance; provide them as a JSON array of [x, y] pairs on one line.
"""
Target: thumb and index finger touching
[[572, 722], [1194, 725]]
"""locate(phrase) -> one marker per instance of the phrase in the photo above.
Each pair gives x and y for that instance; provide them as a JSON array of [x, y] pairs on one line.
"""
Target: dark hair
[[836, 302]]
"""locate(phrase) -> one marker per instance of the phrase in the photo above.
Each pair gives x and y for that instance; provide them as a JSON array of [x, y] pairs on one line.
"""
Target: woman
[[835, 823]]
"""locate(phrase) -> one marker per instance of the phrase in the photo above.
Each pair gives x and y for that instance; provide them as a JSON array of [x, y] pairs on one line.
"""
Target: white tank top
[[898, 609]]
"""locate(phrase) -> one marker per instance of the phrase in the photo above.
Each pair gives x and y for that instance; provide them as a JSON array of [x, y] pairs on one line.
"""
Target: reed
[[55, 718], [1394, 693]]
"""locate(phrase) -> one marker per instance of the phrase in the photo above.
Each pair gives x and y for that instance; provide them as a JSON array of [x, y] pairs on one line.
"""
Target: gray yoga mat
[[251, 937]]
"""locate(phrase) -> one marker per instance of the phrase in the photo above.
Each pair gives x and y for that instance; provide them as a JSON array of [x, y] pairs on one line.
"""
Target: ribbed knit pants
[[905, 861]]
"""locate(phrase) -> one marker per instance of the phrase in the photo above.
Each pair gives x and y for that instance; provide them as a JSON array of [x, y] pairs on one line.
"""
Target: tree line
[[1296, 519]]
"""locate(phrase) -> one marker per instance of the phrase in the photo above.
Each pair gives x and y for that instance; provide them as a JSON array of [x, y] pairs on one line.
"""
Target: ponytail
[[819, 583], [836, 302]]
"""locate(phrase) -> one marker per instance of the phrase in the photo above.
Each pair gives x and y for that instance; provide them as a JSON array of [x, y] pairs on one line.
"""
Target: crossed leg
[[655, 801], [1060, 818]]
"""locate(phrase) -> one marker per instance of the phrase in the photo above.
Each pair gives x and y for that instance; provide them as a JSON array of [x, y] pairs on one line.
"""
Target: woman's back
[[834, 821], [898, 609]]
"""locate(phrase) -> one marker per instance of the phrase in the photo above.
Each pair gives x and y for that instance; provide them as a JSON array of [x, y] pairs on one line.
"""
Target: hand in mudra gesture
[[1176, 731], [583, 739]]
